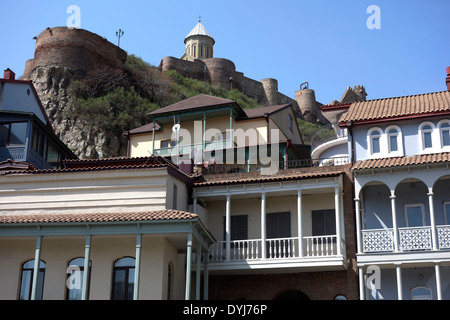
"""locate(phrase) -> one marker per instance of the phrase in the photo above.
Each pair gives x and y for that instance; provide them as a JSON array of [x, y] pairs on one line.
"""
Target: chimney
[[447, 81], [8, 74]]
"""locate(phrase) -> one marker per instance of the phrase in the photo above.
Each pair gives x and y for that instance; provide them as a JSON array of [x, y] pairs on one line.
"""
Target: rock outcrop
[[61, 56]]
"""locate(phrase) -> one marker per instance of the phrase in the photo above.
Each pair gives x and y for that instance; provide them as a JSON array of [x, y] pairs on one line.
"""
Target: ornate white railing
[[415, 238], [410, 239], [443, 237], [282, 248], [378, 240]]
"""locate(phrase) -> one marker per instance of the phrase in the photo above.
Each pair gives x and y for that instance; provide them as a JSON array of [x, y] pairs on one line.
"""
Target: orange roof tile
[[422, 104], [166, 214], [402, 161]]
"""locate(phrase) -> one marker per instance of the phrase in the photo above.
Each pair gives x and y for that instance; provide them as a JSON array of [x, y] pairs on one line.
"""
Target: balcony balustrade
[[276, 249], [410, 239]]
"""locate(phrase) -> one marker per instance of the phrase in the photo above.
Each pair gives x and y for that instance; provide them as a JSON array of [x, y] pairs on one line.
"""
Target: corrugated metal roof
[[199, 30]]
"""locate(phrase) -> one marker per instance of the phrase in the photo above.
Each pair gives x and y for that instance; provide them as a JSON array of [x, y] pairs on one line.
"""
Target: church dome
[[199, 30]]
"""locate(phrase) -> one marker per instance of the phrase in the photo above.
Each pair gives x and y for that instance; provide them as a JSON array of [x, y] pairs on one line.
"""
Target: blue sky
[[324, 42]]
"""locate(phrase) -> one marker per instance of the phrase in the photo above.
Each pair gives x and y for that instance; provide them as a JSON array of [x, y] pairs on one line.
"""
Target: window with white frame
[[426, 130], [374, 141], [394, 141], [421, 293], [414, 215], [447, 212], [444, 133]]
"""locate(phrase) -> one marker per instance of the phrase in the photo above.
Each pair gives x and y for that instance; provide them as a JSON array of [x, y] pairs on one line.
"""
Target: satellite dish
[[176, 128]]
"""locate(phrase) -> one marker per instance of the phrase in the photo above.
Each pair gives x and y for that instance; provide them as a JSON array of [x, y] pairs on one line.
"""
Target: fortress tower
[[199, 44]]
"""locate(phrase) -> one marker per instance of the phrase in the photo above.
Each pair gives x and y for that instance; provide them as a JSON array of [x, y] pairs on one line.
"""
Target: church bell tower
[[199, 43]]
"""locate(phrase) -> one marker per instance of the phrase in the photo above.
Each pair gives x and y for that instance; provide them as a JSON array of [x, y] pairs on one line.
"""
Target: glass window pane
[[119, 284], [414, 216], [427, 143], [426, 127], [25, 285], [446, 137], [130, 283], [447, 213], [124, 262], [4, 132], [375, 145], [18, 133], [393, 143]]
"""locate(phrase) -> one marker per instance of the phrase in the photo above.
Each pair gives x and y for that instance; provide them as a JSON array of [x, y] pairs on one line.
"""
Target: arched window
[[374, 137], [444, 132], [123, 279], [26, 280], [201, 51], [74, 282], [194, 51], [426, 135], [421, 293], [393, 139]]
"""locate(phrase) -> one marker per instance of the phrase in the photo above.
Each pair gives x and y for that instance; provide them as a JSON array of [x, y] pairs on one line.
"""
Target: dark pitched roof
[[262, 111], [402, 161], [199, 101], [397, 107]]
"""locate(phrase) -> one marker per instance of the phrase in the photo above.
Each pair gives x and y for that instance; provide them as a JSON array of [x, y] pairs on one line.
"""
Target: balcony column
[[358, 225], [198, 271], [362, 283], [188, 266], [394, 220], [398, 270], [437, 271], [205, 275], [204, 131], [87, 254], [153, 137], [263, 226], [194, 205], [37, 262], [137, 271], [337, 210], [227, 228], [432, 220], [299, 223], [231, 137]]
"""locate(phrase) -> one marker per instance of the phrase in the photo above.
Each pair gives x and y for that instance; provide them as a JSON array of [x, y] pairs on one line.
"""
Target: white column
[[228, 228], [37, 261], [137, 267], [86, 273], [205, 276], [337, 211], [358, 225], [198, 271], [432, 220], [399, 281], [188, 266], [437, 270], [362, 283], [299, 223], [194, 205], [263, 226], [394, 221]]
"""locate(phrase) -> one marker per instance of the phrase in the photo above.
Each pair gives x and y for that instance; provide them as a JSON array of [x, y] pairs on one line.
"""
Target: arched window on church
[[201, 51], [194, 50]]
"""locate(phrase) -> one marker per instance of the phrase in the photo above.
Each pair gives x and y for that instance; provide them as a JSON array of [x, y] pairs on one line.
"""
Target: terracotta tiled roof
[[402, 161], [422, 104], [282, 175], [98, 217]]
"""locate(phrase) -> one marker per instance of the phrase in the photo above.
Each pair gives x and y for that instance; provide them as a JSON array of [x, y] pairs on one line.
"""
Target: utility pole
[[119, 34]]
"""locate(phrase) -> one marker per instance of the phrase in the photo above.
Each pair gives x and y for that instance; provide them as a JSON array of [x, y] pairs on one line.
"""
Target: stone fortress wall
[[75, 49], [222, 73]]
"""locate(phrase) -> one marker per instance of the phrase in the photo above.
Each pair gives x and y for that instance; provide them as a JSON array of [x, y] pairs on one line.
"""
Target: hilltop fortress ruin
[[62, 52]]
